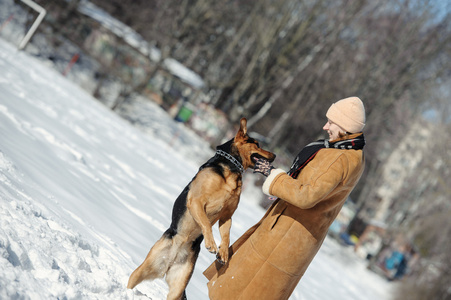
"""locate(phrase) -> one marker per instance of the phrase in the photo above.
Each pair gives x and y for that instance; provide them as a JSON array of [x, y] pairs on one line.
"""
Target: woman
[[268, 261]]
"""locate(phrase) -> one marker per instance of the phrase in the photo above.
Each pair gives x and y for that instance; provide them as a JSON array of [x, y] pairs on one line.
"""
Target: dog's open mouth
[[256, 156]]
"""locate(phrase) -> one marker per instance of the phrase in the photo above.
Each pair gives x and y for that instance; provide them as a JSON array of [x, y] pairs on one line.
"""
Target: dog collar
[[232, 159]]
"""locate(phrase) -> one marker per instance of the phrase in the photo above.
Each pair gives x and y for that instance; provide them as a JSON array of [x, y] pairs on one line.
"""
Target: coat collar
[[347, 137]]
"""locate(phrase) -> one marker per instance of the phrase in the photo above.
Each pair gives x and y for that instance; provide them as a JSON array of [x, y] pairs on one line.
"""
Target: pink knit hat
[[348, 113]]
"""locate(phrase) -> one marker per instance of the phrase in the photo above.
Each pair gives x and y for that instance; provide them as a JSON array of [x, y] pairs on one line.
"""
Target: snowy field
[[84, 195]]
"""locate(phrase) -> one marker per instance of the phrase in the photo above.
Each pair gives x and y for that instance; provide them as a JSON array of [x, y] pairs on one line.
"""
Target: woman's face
[[333, 130]]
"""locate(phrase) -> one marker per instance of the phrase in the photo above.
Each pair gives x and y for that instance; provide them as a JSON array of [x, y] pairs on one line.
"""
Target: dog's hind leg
[[181, 271], [177, 279], [155, 265]]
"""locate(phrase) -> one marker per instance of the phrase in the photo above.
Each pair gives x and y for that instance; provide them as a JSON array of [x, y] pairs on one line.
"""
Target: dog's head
[[248, 147]]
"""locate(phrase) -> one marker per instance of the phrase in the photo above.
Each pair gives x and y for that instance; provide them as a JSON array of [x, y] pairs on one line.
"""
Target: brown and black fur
[[211, 196]]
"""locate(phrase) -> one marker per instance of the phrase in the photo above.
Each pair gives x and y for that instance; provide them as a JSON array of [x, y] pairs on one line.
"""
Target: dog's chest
[[226, 200], [234, 185]]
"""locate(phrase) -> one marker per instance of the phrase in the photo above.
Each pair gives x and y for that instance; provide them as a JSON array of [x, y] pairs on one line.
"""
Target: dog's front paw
[[223, 255], [211, 246]]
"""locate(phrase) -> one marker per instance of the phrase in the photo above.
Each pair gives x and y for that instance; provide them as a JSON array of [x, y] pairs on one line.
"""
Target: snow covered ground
[[84, 195]]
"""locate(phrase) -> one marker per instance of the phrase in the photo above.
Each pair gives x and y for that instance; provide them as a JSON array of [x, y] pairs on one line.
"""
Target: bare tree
[[281, 63]]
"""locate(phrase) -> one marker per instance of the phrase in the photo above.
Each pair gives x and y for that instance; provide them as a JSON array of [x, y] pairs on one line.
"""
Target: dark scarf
[[309, 151]]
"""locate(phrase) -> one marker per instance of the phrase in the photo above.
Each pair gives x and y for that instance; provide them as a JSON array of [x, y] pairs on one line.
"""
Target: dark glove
[[263, 166]]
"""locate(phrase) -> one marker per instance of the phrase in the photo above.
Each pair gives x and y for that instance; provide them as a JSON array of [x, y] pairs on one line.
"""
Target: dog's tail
[[156, 263]]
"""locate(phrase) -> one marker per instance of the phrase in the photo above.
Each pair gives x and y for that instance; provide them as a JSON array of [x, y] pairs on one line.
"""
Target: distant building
[[137, 62], [388, 209]]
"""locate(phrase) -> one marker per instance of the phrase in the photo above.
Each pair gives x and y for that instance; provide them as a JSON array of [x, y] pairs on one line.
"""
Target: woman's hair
[[343, 134]]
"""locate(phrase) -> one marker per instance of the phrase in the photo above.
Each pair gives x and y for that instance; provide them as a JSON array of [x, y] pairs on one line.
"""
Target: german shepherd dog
[[211, 196]]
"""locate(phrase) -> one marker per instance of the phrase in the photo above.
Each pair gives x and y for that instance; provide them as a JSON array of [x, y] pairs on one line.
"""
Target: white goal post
[[36, 23]]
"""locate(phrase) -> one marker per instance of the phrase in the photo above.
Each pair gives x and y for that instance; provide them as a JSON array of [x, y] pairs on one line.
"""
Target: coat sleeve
[[306, 194]]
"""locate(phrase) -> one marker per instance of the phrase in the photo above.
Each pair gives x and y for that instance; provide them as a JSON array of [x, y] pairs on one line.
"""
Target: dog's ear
[[242, 131], [243, 126]]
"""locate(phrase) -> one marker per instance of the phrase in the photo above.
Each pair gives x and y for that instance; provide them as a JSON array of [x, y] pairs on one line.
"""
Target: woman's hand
[[263, 166]]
